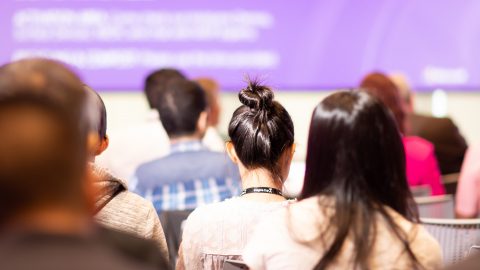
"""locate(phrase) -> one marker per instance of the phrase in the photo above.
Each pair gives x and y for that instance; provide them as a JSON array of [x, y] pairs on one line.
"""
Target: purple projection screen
[[298, 45]]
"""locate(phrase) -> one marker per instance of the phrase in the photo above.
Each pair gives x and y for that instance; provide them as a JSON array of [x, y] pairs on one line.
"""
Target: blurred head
[[212, 89], [261, 133], [98, 119], [44, 139], [355, 155], [405, 91], [183, 109], [156, 82], [380, 86]]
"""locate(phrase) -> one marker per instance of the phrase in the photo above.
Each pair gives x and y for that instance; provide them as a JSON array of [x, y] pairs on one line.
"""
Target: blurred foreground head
[[43, 143]]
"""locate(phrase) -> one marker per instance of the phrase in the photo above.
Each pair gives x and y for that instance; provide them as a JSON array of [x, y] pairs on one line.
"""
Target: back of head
[[380, 86], [355, 156], [156, 82], [43, 138], [97, 112], [261, 129], [180, 106], [212, 89]]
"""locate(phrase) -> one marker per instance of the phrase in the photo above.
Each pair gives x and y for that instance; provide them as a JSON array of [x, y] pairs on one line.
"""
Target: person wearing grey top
[[115, 206]]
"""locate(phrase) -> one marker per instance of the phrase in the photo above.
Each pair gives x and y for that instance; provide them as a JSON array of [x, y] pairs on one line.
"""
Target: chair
[[440, 206], [421, 191], [456, 236], [172, 222], [234, 265], [450, 182]]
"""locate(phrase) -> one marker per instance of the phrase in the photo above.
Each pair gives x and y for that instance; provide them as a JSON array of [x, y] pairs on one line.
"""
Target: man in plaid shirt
[[190, 175]]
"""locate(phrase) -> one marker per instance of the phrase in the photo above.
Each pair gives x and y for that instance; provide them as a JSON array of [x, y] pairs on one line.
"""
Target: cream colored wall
[[464, 108]]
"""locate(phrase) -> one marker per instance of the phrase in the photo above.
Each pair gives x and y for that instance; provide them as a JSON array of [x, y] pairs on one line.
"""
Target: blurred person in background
[[190, 175], [450, 146], [115, 206], [212, 138], [467, 199], [262, 145], [131, 146], [422, 166], [46, 196], [355, 210]]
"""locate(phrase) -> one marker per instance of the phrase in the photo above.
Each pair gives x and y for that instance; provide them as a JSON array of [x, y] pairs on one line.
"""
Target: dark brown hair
[[261, 129]]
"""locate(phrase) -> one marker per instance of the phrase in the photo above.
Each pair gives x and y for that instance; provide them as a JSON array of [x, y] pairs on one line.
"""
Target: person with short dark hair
[[422, 166], [190, 175], [262, 145], [46, 219], [355, 210], [115, 206], [146, 139]]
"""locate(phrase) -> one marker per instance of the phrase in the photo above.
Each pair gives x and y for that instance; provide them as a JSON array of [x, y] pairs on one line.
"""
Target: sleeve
[[467, 193], [433, 176], [156, 232]]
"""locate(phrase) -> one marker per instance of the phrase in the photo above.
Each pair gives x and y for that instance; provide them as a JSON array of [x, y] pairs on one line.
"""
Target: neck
[[57, 220], [260, 178], [187, 138]]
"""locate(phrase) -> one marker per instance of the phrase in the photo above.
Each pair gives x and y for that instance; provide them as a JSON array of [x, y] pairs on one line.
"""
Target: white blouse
[[297, 236], [220, 231]]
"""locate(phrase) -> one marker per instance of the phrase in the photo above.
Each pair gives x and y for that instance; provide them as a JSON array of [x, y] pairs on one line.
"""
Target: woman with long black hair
[[356, 210]]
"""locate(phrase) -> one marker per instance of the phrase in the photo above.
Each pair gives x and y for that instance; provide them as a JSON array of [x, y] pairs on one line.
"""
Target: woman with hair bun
[[262, 145]]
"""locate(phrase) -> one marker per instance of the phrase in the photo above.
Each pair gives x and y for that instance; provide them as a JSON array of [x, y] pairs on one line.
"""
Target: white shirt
[[296, 237]]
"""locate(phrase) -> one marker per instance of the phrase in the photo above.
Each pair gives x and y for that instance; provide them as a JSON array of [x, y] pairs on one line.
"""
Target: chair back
[[172, 222], [456, 236], [234, 265], [421, 191], [440, 206]]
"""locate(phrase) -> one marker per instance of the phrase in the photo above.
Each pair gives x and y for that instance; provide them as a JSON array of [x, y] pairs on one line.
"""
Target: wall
[[464, 108]]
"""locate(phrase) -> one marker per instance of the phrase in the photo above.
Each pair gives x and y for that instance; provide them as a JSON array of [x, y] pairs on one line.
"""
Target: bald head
[[212, 89], [43, 138]]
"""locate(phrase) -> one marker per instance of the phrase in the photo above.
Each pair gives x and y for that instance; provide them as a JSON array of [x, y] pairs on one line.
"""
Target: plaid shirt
[[169, 184]]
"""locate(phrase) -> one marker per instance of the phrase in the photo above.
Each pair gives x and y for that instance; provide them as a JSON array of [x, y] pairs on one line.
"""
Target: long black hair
[[355, 156], [261, 129]]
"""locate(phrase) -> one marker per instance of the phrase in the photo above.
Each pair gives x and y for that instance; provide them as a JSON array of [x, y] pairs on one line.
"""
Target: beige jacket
[[125, 211]]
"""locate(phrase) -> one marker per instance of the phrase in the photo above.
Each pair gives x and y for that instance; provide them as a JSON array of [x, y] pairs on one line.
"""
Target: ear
[[231, 152], [202, 122], [92, 143], [292, 153], [103, 145]]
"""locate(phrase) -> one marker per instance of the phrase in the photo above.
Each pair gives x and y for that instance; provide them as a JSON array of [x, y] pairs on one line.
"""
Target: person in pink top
[[421, 162], [468, 191]]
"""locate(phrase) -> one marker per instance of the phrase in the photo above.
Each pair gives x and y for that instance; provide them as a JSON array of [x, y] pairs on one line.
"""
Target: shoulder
[[128, 211], [153, 167], [425, 247], [417, 147]]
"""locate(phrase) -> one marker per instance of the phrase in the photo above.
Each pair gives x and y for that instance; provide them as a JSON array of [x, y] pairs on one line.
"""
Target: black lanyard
[[262, 190]]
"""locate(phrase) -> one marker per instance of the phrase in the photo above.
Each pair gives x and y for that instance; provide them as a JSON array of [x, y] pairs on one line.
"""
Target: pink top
[[422, 167], [468, 189]]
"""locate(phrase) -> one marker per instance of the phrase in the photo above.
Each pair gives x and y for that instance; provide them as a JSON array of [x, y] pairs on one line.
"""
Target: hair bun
[[256, 97]]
